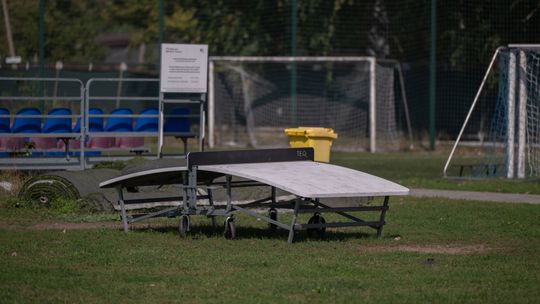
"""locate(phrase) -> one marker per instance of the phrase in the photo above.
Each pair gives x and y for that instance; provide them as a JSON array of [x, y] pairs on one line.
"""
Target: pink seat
[[129, 142], [44, 143], [11, 144], [100, 142], [73, 144], [5, 144]]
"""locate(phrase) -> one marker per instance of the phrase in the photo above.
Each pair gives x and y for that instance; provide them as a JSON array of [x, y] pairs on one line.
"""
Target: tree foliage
[[468, 31], [70, 29]]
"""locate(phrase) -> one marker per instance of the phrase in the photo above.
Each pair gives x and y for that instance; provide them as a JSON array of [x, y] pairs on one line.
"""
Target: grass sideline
[[424, 170], [431, 251]]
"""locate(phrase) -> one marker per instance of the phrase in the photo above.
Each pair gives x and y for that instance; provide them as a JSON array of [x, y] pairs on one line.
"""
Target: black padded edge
[[249, 156]]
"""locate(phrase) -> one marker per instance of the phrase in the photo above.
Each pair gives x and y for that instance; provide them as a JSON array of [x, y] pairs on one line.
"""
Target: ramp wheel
[[316, 219], [184, 225], [230, 229], [272, 214]]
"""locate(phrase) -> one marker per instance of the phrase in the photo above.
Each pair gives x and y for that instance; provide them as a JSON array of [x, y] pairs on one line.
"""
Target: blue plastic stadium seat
[[95, 124], [147, 124], [27, 124], [77, 127], [177, 124], [53, 125], [58, 124], [4, 128], [142, 124], [120, 124], [4, 121]]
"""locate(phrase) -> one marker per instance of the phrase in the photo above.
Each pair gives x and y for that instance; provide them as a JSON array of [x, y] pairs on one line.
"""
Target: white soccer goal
[[510, 99], [252, 99]]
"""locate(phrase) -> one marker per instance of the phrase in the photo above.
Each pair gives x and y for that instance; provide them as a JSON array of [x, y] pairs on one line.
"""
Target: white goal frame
[[372, 87], [514, 74]]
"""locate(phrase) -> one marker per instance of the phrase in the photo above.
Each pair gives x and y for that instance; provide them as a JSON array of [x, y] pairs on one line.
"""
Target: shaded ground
[[457, 249]]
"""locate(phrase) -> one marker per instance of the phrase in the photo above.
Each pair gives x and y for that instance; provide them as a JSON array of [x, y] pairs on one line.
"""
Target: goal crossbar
[[371, 61]]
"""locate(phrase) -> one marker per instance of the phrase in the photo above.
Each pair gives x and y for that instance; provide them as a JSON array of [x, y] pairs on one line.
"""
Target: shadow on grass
[[250, 232]]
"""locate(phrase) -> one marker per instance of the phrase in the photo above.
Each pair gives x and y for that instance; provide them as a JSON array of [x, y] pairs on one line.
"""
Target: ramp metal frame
[[201, 163]]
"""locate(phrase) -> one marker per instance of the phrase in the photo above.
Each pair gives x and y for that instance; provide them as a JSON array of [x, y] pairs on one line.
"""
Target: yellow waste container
[[320, 139]]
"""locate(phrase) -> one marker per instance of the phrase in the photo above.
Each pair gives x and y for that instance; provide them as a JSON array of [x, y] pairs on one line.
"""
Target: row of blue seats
[[28, 122], [59, 120]]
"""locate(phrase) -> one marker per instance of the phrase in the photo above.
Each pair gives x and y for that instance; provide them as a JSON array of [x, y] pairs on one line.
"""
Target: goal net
[[253, 99], [504, 118]]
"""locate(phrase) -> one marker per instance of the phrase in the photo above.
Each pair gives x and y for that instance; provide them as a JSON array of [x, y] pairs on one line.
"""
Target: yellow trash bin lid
[[311, 132], [320, 139]]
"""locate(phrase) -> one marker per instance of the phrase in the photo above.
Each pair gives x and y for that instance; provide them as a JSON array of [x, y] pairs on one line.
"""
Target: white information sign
[[184, 68]]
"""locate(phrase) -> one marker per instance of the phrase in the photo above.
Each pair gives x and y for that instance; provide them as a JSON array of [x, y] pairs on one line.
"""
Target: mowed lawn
[[432, 250], [425, 170]]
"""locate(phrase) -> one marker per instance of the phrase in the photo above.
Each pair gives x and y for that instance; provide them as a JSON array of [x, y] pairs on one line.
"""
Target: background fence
[[444, 46]]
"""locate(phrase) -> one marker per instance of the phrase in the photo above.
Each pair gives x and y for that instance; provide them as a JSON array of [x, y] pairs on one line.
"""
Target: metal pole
[[202, 122], [161, 22], [9, 35], [59, 65], [522, 114], [211, 104], [123, 68], [470, 111], [161, 119], [511, 116], [42, 49], [293, 64], [405, 105], [372, 106], [433, 75], [41, 38]]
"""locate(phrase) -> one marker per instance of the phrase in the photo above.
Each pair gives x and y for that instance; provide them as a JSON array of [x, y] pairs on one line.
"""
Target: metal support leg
[[383, 214], [123, 212], [229, 193], [272, 213], [192, 191], [293, 221], [184, 141], [66, 147], [185, 195], [211, 203]]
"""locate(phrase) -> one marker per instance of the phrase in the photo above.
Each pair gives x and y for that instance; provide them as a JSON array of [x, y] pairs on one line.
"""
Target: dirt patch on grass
[[81, 226], [443, 249], [75, 226]]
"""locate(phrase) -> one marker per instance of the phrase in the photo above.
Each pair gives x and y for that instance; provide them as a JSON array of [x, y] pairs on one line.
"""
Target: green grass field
[[432, 250], [424, 170]]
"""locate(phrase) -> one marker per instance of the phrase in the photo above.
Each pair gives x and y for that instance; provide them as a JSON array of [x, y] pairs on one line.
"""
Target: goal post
[[251, 97], [510, 96]]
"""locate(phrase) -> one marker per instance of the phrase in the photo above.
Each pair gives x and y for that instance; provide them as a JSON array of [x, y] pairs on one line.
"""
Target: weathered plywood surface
[[312, 179]]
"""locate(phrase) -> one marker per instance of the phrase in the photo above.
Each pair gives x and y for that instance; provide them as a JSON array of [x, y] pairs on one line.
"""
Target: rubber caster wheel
[[230, 229], [272, 214], [184, 225], [316, 219]]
